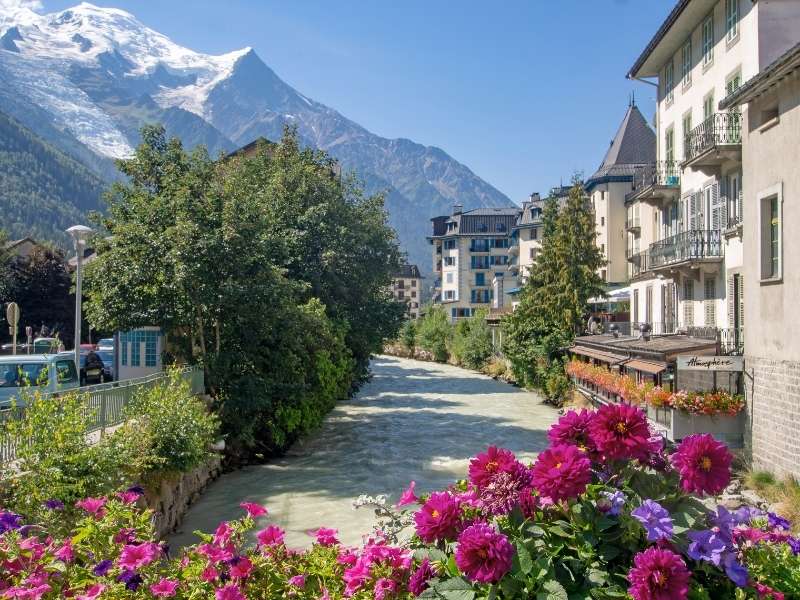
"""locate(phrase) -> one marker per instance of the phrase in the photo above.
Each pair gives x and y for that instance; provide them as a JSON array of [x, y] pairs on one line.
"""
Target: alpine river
[[412, 420]]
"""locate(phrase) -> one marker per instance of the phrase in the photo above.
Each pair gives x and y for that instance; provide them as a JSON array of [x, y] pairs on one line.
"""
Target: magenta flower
[[418, 582], [223, 533], [658, 574], [271, 536], [621, 431], [241, 567], [229, 592], [298, 581], [439, 518], [92, 592], [128, 496], [704, 464], [134, 557], [501, 494], [408, 497], [562, 472], [254, 510], [487, 464], [65, 553], [573, 428], [93, 506], [165, 588], [385, 588], [209, 574], [484, 554], [326, 536]]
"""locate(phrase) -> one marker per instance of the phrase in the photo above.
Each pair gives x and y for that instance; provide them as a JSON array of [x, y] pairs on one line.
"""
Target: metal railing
[[730, 340], [694, 244], [720, 129], [632, 223], [640, 263], [660, 173], [105, 405]]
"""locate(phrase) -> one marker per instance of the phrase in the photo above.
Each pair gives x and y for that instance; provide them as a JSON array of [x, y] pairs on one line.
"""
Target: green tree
[[472, 341], [435, 332], [408, 336]]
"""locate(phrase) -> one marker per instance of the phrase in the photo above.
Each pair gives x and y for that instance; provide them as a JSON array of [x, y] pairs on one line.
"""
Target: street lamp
[[79, 234]]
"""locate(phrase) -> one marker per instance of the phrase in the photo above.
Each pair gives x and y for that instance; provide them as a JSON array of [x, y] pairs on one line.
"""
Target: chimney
[[645, 330], [457, 209], [534, 197]]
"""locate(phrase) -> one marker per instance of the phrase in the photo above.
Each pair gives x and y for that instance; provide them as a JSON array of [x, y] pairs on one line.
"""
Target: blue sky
[[524, 92]]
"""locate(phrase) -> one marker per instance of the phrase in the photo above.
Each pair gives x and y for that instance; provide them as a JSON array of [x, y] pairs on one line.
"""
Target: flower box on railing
[[679, 424]]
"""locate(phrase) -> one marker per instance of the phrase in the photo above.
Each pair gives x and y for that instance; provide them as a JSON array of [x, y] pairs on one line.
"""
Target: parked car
[[107, 356], [93, 368], [46, 345], [47, 373], [105, 344]]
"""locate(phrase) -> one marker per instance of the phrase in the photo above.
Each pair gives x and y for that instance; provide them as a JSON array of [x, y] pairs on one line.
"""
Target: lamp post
[[79, 234]]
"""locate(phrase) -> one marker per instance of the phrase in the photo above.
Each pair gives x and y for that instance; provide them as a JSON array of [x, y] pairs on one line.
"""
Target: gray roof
[[532, 211], [672, 17], [633, 145], [486, 221], [408, 272]]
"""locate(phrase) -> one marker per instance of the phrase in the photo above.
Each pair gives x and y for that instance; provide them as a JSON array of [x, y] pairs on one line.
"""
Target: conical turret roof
[[633, 145]]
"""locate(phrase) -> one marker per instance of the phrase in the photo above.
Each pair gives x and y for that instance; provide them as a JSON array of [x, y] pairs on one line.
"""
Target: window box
[[679, 424]]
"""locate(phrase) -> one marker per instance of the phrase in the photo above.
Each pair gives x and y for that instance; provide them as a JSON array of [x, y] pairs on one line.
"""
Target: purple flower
[[54, 504], [614, 503], [501, 493], [655, 519], [734, 570], [9, 521], [778, 522], [745, 514], [794, 544], [131, 579], [706, 545], [418, 582], [102, 568]]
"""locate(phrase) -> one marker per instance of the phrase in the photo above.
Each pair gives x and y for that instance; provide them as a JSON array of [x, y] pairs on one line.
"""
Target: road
[[412, 420]]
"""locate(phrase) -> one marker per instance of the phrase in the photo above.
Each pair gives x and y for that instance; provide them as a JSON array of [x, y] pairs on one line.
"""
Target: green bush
[[557, 384], [175, 426], [472, 341], [408, 336], [435, 332]]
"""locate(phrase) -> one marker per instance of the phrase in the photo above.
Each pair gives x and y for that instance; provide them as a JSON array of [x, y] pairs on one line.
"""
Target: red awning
[[645, 366], [612, 359]]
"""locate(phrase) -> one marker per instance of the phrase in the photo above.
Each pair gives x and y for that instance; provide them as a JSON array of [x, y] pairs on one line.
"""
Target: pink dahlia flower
[[501, 493], [658, 574], [165, 588], [562, 472], [271, 536], [486, 464], [254, 510], [704, 464], [439, 518], [408, 496], [418, 582], [573, 428], [621, 431], [484, 554]]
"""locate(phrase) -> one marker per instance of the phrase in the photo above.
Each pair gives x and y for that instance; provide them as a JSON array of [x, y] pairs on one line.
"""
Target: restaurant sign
[[710, 363]]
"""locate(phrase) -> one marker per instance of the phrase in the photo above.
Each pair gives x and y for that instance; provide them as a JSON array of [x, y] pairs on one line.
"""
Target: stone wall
[[172, 496], [773, 402]]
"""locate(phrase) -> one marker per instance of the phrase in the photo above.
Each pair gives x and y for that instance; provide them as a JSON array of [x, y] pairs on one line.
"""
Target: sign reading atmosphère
[[710, 363]]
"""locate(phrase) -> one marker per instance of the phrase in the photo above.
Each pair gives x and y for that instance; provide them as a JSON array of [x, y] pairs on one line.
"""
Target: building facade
[[470, 254], [407, 289], [633, 147], [685, 210], [770, 107]]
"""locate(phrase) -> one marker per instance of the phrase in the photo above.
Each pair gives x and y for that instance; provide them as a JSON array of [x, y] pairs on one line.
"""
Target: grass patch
[[784, 493]]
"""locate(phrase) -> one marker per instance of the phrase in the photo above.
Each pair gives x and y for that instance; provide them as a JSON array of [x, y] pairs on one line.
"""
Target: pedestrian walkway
[[413, 420]]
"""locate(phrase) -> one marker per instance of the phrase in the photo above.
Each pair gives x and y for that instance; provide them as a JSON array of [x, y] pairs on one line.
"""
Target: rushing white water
[[413, 420]]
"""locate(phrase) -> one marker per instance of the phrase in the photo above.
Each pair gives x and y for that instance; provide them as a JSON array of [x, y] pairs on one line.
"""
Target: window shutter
[[731, 301], [739, 199], [740, 282], [696, 210], [688, 304], [710, 304], [717, 209]]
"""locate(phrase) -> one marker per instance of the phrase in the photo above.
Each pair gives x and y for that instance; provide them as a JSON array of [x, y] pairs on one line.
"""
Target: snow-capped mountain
[[87, 78]]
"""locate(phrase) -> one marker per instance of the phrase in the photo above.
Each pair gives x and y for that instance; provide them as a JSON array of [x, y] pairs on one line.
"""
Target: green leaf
[[522, 559], [535, 530], [559, 531], [552, 591]]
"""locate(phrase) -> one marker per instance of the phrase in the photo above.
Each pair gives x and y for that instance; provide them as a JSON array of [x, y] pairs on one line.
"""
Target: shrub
[[472, 341], [408, 336], [557, 384], [176, 426], [435, 332], [496, 367]]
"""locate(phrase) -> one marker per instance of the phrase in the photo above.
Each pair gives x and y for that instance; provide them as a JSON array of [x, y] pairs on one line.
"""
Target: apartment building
[[685, 243], [470, 252], [633, 147], [407, 289], [770, 105]]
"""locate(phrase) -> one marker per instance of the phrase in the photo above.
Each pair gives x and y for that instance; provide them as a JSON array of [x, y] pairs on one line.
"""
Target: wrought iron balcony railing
[[661, 173], [632, 223], [695, 244], [720, 129], [640, 263]]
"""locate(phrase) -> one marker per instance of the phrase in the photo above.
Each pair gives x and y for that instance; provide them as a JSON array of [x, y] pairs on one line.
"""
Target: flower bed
[[604, 512], [699, 403]]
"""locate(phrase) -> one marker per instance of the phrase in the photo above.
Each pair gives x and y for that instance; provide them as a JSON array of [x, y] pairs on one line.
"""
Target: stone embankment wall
[[172, 496]]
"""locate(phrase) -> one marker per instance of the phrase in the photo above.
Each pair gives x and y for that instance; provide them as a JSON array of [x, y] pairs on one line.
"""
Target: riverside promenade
[[413, 420]]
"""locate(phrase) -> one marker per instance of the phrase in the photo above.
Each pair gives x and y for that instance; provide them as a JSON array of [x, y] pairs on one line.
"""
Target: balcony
[[640, 264], [513, 264], [632, 224], [686, 248], [480, 246], [715, 141], [655, 183], [513, 249]]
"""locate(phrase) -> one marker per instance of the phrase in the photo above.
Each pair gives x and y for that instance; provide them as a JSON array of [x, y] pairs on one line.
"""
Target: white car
[[47, 373]]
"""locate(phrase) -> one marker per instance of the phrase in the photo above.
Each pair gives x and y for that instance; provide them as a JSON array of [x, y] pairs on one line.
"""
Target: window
[[400, 284], [635, 306], [533, 253], [535, 233], [771, 242], [686, 63], [65, 369], [413, 283], [449, 261], [479, 245], [710, 303], [708, 40], [731, 19], [449, 244], [688, 303], [480, 262], [669, 145], [401, 294], [449, 278], [648, 304], [499, 275], [708, 106], [449, 295], [686, 124], [136, 349], [602, 221], [669, 81], [413, 294], [603, 249], [603, 275], [480, 278]]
